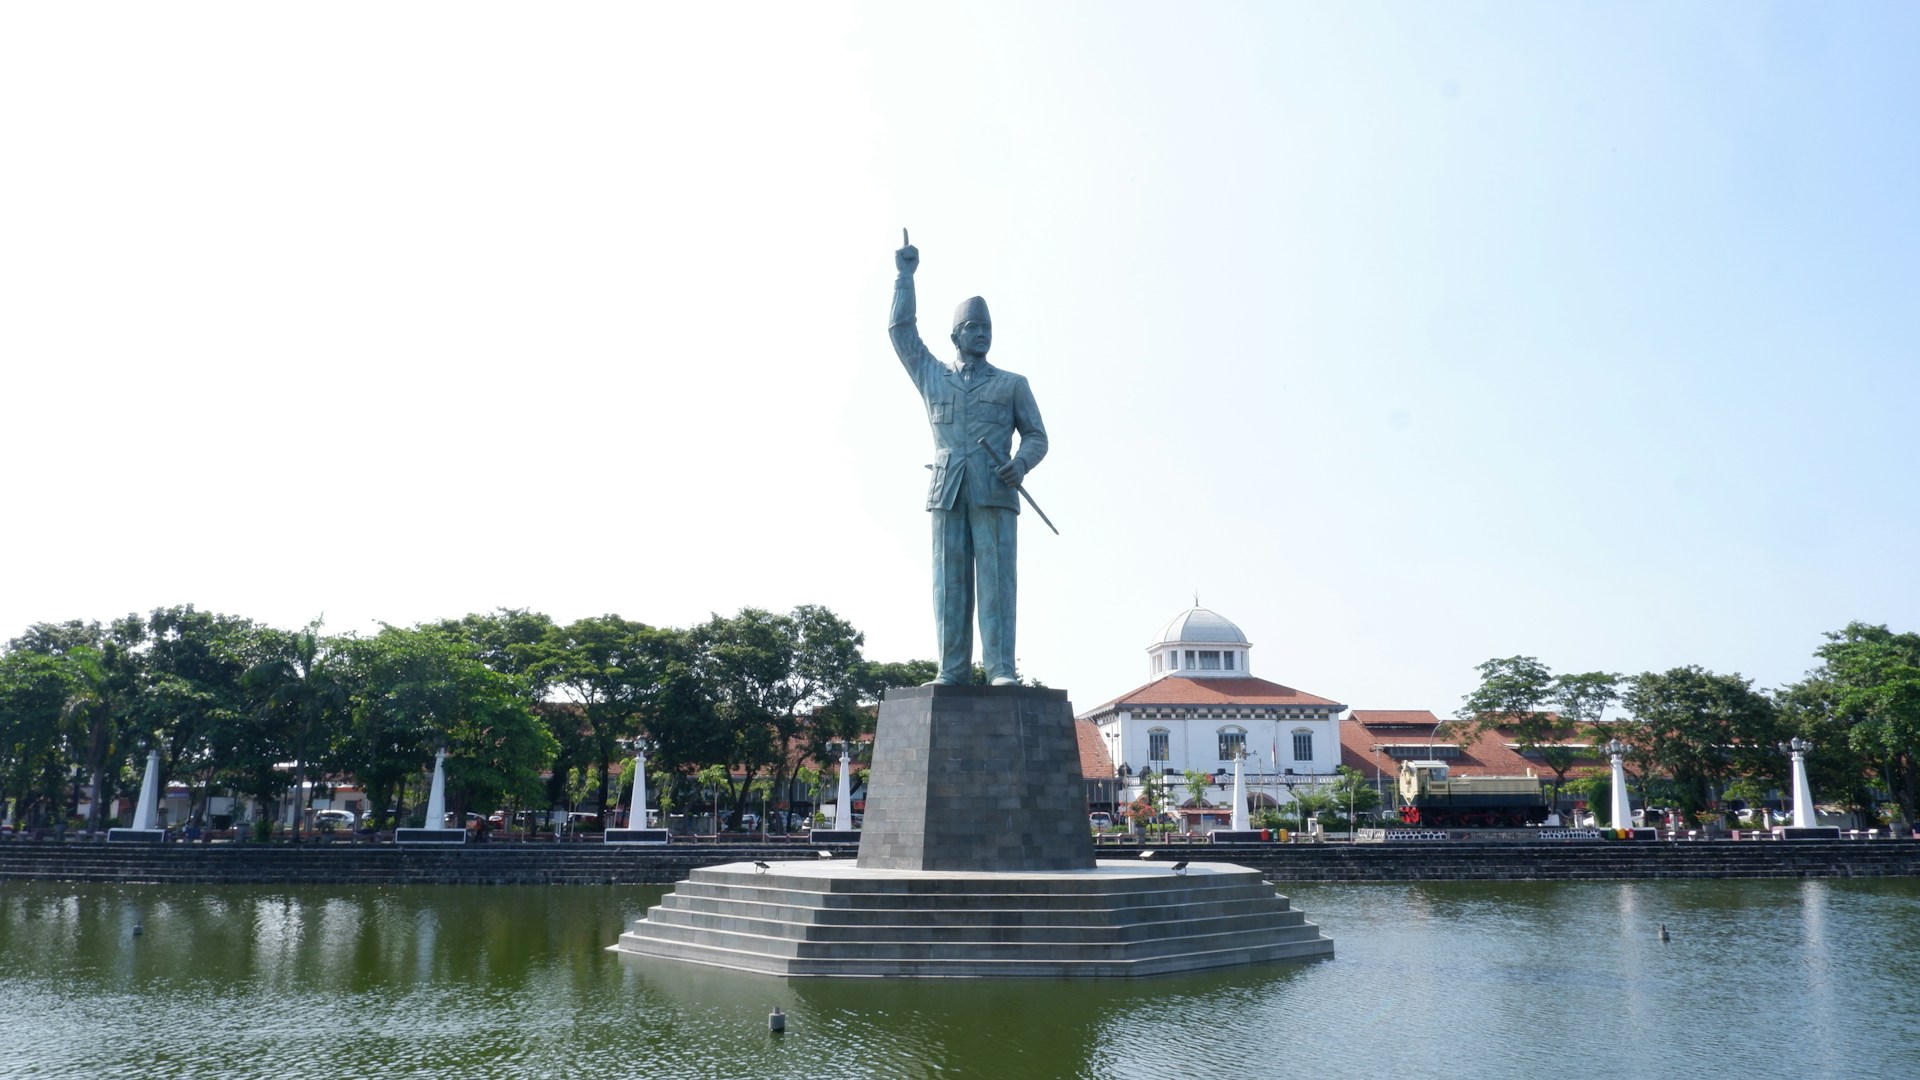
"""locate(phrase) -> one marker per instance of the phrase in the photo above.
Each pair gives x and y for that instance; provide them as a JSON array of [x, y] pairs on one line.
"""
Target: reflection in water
[[1431, 979]]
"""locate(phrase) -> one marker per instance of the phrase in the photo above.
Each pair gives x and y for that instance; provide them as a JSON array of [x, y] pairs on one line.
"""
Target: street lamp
[[1617, 792], [1802, 793]]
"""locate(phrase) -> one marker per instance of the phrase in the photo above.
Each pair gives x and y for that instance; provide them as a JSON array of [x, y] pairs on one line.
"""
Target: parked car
[[580, 821], [1100, 821], [333, 819]]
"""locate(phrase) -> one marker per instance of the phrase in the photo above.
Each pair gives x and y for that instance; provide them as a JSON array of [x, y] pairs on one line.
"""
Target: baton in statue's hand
[[994, 456]]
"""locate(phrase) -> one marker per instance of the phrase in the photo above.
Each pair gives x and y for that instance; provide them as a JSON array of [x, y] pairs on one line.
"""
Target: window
[[1189, 657], [1303, 745], [1173, 659], [1157, 745], [1233, 742], [1158, 662], [1227, 660], [1209, 660]]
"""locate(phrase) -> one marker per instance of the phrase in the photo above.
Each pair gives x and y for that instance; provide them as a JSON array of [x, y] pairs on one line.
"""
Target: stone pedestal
[[636, 836], [1237, 836], [1806, 832], [440, 837], [975, 860], [980, 778]]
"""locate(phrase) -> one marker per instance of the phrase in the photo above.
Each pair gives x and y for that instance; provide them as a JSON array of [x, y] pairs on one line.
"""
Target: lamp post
[[1802, 793], [843, 800], [1622, 810]]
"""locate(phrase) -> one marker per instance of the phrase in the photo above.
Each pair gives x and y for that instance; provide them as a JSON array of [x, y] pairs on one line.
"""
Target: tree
[[413, 690], [1874, 677], [299, 689], [1197, 784], [612, 670], [1310, 802], [512, 641], [1352, 794], [34, 688], [1701, 728], [1514, 696], [193, 694], [767, 675], [99, 712]]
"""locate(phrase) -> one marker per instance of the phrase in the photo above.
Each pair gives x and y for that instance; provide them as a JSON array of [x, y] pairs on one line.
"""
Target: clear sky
[[1404, 335]]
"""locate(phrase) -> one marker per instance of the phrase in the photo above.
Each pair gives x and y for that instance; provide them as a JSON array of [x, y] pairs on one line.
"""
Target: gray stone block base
[[1806, 832], [436, 837], [136, 836], [834, 836], [976, 778], [636, 836], [832, 918]]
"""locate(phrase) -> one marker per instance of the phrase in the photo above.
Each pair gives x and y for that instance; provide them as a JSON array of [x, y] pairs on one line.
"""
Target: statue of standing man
[[973, 492]]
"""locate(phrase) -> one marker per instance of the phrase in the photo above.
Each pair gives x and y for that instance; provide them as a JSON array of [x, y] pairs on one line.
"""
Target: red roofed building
[[1204, 707], [1376, 741]]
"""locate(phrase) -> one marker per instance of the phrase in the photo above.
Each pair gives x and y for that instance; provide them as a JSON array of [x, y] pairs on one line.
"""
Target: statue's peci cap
[[972, 309]]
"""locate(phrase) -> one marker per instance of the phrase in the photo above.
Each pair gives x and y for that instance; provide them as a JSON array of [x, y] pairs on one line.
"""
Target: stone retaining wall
[[589, 864]]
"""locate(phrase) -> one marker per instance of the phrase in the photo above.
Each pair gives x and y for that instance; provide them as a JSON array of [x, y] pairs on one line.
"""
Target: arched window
[[1157, 744], [1302, 744], [1233, 742]]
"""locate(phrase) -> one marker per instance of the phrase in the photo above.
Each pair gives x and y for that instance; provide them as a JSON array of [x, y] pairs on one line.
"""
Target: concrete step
[[1248, 922]]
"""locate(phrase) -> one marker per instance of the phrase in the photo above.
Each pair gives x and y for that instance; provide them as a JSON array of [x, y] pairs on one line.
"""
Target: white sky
[[1406, 335]]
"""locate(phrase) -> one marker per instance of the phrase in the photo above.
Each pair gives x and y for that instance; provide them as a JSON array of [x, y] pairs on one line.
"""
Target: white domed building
[[1203, 707]]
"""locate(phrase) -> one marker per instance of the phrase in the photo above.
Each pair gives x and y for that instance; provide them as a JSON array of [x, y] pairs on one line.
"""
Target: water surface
[[1814, 978]]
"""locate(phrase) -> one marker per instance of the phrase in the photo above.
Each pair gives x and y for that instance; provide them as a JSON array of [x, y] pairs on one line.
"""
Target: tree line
[[1696, 739], [532, 713]]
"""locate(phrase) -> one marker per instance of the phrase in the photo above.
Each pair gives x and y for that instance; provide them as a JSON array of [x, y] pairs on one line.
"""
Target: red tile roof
[[1095, 761], [1181, 690], [1484, 755]]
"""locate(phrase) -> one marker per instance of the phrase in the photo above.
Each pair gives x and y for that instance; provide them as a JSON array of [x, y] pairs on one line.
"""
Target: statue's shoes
[[1006, 681]]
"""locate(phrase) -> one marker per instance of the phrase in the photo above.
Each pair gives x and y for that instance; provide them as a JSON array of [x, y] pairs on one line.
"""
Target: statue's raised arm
[[901, 328]]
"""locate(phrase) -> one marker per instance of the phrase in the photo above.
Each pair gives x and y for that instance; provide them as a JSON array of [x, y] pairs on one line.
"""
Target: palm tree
[[90, 717], [1309, 802], [302, 686]]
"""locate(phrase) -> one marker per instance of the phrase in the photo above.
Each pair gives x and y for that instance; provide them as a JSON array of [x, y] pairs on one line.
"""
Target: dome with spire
[[1199, 643], [1200, 625]]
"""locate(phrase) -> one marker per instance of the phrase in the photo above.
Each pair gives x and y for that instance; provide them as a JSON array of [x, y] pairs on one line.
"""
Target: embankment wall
[[594, 864]]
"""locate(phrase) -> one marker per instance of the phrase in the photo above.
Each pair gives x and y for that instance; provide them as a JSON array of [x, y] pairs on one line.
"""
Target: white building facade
[[1204, 707]]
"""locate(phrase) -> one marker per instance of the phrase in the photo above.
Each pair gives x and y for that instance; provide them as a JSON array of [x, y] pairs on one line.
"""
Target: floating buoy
[[776, 1021], [1664, 936], [139, 929]]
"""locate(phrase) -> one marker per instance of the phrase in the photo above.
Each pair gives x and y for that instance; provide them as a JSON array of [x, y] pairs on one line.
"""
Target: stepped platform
[[1120, 918]]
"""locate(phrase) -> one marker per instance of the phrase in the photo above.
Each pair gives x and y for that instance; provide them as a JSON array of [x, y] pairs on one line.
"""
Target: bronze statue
[[974, 410]]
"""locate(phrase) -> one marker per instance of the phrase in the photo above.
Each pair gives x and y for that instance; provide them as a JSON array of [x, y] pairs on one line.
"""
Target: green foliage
[[34, 688], [1309, 803], [1700, 728], [1549, 717], [1352, 793], [1870, 680], [413, 690], [1197, 784]]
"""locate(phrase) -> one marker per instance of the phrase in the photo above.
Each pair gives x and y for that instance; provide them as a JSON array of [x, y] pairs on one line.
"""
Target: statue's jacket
[[992, 406]]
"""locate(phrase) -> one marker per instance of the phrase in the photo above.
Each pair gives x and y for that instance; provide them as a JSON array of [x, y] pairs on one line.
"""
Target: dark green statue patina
[[974, 409]]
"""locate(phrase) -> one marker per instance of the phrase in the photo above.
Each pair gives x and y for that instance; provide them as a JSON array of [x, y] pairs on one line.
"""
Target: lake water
[[1761, 978]]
